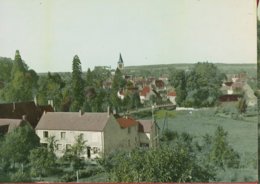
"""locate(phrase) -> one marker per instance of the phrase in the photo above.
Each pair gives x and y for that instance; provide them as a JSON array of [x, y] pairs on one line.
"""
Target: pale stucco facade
[[98, 143]]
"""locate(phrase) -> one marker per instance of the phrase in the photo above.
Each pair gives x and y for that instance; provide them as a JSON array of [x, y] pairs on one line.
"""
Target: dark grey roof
[[11, 123]]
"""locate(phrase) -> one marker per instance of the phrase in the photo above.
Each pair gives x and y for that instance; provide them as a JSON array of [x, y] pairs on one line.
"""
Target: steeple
[[120, 63]]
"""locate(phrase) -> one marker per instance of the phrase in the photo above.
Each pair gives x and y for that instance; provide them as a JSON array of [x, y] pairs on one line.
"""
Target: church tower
[[120, 63]]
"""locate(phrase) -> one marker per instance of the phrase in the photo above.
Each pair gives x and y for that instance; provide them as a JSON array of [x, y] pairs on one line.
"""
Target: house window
[[144, 145], [129, 130], [45, 145], [88, 152], [95, 150], [59, 147], [45, 134], [128, 142], [68, 146], [62, 135]]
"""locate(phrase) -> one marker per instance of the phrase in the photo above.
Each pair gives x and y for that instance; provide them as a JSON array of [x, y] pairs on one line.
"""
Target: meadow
[[242, 136]]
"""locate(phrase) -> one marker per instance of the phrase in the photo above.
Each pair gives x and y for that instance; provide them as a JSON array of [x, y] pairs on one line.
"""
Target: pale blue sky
[[49, 33]]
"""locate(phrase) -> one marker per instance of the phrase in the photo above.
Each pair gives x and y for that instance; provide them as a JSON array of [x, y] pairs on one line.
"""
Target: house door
[[88, 152]]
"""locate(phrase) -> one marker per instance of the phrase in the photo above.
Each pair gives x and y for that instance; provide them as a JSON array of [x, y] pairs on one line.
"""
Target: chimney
[[80, 113], [108, 111], [13, 106], [114, 111], [35, 100], [24, 117]]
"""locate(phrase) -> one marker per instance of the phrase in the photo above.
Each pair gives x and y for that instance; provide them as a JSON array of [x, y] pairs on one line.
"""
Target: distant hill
[[162, 69]]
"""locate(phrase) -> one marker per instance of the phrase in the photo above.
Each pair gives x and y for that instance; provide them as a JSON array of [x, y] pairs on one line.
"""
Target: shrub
[[20, 176]]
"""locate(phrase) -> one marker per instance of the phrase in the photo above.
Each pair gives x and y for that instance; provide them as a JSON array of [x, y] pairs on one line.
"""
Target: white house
[[102, 131], [172, 97]]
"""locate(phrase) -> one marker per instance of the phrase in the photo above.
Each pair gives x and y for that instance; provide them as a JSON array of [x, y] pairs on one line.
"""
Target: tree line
[[76, 91]]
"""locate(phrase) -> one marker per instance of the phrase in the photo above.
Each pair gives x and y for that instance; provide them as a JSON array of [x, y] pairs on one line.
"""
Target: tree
[[118, 81], [89, 78], [74, 154], [5, 69], [17, 145], [23, 82], [220, 153], [50, 88], [178, 81], [42, 161], [199, 86], [77, 84], [241, 106], [169, 164]]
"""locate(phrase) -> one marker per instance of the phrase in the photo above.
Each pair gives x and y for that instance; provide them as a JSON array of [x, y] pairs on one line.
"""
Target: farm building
[[104, 132], [29, 110], [7, 125]]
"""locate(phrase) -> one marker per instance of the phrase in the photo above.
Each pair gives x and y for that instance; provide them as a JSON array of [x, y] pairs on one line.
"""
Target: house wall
[[94, 141], [116, 137], [144, 138], [172, 99]]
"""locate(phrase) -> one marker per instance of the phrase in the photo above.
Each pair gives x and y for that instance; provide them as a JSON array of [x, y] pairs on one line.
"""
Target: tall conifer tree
[[77, 84]]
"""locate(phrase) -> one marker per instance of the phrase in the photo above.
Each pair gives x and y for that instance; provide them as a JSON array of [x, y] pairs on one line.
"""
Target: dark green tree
[[42, 162], [23, 82], [89, 79], [17, 145], [50, 88], [118, 84], [241, 106], [221, 154], [74, 154], [77, 85], [178, 81]]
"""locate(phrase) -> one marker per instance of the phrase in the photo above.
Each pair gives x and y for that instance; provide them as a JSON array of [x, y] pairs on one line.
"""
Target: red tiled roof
[[145, 91], [126, 122]]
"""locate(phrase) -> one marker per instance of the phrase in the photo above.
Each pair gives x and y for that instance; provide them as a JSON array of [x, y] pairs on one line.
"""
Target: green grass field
[[242, 135]]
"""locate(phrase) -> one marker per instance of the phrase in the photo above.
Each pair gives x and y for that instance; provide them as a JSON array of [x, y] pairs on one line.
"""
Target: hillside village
[[104, 127]]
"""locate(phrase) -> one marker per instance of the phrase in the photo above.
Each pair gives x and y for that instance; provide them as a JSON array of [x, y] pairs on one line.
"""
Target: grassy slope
[[242, 136]]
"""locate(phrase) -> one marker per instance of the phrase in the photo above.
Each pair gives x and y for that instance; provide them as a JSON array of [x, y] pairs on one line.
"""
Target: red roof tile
[[126, 122], [145, 91]]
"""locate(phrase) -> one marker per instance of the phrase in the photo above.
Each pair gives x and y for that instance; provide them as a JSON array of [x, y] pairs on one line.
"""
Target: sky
[[50, 33]]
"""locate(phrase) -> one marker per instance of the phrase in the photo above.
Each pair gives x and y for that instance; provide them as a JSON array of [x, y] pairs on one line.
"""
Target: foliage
[[74, 154], [17, 144], [241, 106], [23, 82], [20, 176], [5, 69], [87, 172], [199, 86], [169, 164], [50, 88], [221, 154], [42, 161], [175, 161], [77, 84]]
